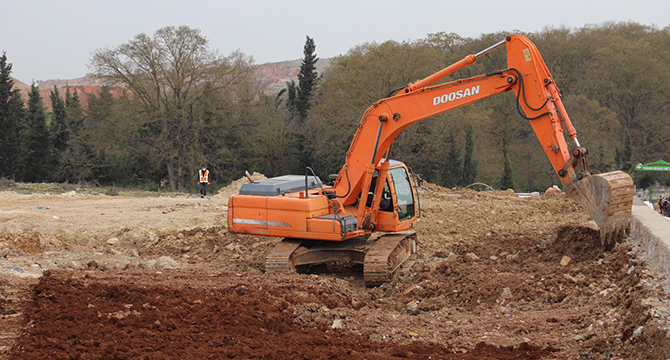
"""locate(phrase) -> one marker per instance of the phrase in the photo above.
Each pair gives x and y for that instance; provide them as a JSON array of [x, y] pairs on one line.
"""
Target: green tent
[[659, 165]]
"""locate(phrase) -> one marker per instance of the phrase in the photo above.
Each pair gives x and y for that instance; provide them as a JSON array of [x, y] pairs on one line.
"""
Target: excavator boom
[[607, 197]]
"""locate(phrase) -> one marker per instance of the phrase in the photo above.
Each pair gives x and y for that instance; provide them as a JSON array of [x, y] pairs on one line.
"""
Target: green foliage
[[469, 162], [452, 168], [506, 180], [37, 148], [172, 76], [307, 78], [59, 124], [11, 119], [624, 155], [161, 125]]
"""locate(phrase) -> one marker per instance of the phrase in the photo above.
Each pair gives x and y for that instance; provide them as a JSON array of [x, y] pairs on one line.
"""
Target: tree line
[[182, 105]]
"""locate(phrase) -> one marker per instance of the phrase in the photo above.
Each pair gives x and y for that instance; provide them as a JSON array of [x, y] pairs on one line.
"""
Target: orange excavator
[[373, 193]]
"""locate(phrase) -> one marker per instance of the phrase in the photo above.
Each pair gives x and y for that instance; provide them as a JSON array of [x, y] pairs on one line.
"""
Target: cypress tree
[[37, 141], [451, 175], [469, 162], [307, 78]]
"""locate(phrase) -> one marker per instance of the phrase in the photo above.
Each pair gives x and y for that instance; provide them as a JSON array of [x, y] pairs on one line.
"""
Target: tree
[[37, 151], [11, 114], [306, 78], [469, 162], [59, 125], [452, 167], [75, 112], [624, 154], [168, 75], [507, 181]]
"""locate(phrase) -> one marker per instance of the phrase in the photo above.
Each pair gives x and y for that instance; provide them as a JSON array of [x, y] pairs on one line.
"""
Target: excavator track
[[380, 258], [388, 254], [279, 260], [608, 198]]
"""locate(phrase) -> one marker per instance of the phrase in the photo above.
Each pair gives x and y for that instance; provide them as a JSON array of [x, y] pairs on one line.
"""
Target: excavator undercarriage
[[381, 257]]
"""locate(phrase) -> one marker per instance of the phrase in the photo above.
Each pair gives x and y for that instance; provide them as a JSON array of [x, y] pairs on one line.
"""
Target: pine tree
[[6, 84], [624, 155], [59, 123], [451, 175], [15, 124], [37, 142], [469, 163], [75, 113], [507, 181]]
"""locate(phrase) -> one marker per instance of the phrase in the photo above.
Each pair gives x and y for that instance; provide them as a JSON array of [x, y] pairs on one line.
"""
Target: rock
[[413, 334], [506, 293], [535, 195], [553, 190], [471, 257], [4, 252], [493, 257], [571, 278], [412, 306], [410, 289], [337, 324], [56, 217], [113, 241], [638, 331], [452, 257], [565, 260], [165, 262], [505, 311], [74, 265]]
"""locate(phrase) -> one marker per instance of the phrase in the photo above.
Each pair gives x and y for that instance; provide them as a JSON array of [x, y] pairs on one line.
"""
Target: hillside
[[271, 77]]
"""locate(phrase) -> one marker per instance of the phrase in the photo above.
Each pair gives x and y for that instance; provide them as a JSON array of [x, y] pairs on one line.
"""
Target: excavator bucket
[[608, 198]]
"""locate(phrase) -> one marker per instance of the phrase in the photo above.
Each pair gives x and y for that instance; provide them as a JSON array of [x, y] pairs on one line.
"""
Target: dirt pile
[[185, 316], [234, 187]]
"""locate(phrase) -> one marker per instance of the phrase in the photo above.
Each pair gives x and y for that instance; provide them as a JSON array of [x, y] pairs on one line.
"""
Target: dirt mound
[[182, 316], [234, 187]]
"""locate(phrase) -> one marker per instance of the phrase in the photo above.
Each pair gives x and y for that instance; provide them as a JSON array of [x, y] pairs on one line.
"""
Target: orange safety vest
[[204, 177]]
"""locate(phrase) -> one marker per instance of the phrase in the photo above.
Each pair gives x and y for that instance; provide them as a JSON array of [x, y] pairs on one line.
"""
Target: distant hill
[[84, 89], [271, 78]]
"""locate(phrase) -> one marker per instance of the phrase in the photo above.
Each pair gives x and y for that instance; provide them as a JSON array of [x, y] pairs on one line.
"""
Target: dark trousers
[[203, 188]]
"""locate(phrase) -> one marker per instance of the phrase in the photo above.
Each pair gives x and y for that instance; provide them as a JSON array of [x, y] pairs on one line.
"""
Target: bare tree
[[169, 74]]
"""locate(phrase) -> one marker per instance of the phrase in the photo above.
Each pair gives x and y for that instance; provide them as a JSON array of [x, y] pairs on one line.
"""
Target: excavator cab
[[398, 206]]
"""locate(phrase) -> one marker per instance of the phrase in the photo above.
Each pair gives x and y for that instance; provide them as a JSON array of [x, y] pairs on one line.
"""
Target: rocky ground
[[498, 277]]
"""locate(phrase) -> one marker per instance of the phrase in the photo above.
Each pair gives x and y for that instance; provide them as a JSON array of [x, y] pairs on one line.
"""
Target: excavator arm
[[607, 197]]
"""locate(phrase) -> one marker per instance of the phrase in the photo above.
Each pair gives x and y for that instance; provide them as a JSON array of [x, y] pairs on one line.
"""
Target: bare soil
[[489, 283]]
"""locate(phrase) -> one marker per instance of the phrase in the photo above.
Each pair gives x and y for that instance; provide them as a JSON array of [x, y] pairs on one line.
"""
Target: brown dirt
[[488, 284], [181, 315]]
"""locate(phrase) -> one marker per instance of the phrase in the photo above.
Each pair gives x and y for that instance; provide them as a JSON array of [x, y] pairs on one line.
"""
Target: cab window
[[404, 194]]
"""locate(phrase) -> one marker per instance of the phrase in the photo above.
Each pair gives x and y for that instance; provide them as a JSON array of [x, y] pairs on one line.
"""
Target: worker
[[203, 180]]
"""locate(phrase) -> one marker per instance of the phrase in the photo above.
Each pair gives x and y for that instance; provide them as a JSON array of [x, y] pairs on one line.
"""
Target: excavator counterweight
[[373, 193]]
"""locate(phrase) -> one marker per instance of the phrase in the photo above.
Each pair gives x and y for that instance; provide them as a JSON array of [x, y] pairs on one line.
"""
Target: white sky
[[54, 39]]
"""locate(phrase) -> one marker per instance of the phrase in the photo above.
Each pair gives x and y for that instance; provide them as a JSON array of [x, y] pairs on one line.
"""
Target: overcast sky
[[54, 39]]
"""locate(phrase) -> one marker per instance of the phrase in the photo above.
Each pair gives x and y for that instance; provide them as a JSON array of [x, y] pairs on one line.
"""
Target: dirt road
[[491, 282]]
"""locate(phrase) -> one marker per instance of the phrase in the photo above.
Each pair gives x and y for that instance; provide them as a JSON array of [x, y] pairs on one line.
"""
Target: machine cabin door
[[404, 193]]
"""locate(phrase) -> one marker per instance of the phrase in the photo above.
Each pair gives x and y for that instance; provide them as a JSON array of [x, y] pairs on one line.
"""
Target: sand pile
[[234, 187]]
